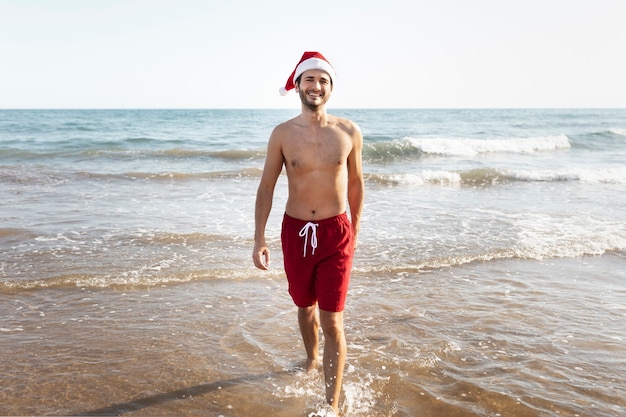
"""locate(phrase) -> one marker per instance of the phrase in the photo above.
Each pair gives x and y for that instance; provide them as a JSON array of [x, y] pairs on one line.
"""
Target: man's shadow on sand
[[152, 400]]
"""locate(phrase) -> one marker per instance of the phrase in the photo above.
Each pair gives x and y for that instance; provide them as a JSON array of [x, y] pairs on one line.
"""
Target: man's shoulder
[[286, 126], [283, 129], [346, 125]]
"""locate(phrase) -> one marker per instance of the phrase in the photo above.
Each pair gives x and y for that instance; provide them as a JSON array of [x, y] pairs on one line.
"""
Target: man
[[322, 157]]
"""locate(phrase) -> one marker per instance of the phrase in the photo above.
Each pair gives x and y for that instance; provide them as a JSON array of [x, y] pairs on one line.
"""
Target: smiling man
[[321, 154]]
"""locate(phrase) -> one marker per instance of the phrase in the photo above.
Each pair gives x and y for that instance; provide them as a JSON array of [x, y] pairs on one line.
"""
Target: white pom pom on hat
[[309, 61]]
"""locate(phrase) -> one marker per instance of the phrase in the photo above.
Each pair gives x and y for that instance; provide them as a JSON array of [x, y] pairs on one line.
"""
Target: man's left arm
[[355, 181]]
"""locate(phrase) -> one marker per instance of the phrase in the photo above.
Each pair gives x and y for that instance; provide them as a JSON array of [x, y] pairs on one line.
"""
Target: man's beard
[[310, 106]]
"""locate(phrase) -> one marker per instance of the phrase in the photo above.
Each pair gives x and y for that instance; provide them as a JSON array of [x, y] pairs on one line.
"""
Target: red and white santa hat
[[309, 61]]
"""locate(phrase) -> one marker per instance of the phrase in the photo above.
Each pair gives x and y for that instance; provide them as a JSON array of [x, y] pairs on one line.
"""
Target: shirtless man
[[322, 157]]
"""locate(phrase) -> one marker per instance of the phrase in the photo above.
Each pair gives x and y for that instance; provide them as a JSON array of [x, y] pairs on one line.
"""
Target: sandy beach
[[503, 338]]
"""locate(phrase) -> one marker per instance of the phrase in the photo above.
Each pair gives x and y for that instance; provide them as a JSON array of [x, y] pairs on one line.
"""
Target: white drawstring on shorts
[[304, 232]]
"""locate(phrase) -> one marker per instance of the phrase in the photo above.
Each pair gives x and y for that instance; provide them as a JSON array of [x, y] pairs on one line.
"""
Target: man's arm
[[264, 197], [355, 182]]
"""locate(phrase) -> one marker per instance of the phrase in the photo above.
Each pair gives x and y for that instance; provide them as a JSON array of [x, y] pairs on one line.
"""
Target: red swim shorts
[[318, 259]]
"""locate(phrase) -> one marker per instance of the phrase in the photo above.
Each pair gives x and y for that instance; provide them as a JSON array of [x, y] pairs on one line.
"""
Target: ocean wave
[[390, 151], [473, 147], [142, 257], [533, 245], [405, 149], [409, 148], [495, 176], [469, 177], [418, 178], [228, 154], [31, 175], [136, 279], [147, 258], [239, 154], [182, 176], [157, 274], [123, 154], [620, 132], [541, 237], [583, 175], [80, 281], [46, 177], [179, 153]]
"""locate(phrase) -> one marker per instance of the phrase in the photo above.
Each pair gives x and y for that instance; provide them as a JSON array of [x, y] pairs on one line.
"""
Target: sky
[[387, 54]]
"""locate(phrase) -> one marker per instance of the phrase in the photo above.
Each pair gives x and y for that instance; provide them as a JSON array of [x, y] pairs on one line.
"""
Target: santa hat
[[309, 61]]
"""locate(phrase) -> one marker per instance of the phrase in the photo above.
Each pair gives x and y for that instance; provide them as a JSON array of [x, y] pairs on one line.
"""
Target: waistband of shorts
[[340, 218]]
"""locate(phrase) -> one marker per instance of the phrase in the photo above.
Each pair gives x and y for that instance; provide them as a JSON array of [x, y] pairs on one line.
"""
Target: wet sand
[[508, 337]]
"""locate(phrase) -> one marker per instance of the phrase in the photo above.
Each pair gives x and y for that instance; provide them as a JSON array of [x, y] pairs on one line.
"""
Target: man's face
[[315, 88]]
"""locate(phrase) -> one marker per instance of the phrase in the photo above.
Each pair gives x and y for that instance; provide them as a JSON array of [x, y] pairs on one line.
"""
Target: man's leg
[[309, 322], [334, 355]]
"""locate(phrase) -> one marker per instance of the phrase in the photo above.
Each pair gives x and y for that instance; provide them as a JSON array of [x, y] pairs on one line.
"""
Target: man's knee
[[332, 323]]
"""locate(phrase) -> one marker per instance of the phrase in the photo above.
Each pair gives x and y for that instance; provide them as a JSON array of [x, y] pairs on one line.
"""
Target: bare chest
[[312, 153]]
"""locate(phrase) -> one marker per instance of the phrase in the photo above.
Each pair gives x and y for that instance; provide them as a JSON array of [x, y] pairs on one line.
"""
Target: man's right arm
[[264, 197]]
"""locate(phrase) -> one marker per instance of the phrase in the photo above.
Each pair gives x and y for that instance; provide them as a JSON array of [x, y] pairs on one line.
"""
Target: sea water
[[490, 277]]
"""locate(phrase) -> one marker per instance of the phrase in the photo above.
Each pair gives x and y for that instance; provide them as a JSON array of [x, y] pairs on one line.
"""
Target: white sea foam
[[419, 178], [542, 236], [585, 175], [360, 394], [615, 175], [473, 147]]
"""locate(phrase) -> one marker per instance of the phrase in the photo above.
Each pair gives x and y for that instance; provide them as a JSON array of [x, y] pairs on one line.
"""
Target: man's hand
[[261, 256]]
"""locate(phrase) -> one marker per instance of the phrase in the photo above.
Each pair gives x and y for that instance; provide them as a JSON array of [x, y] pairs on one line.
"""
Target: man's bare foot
[[312, 365], [325, 411]]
